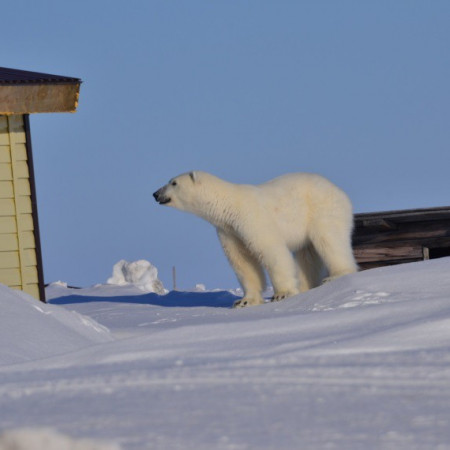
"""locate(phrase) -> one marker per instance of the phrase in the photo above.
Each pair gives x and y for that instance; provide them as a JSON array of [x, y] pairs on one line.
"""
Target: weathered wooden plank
[[429, 243], [410, 231], [375, 264], [379, 224], [407, 215], [374, 253], [9, 260], [26, 99]]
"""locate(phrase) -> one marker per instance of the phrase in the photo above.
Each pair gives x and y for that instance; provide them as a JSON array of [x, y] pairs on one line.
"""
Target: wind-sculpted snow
[[32, 330], [361, 362], [141, 274]]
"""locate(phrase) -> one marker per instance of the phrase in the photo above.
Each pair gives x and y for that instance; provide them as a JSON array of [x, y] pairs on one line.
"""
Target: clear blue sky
[[357, 91]]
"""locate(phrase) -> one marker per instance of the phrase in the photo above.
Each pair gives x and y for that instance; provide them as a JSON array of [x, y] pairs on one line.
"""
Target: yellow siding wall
[[18, 262]]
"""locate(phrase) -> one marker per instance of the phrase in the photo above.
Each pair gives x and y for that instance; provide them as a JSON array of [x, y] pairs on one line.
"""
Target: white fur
[[290, 227]]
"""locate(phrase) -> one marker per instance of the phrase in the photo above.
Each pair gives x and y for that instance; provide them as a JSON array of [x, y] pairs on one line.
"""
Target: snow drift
[[32, 330], [141, 274]]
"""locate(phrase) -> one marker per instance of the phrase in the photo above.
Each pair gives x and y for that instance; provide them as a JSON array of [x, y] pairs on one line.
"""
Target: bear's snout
[[160, 197]]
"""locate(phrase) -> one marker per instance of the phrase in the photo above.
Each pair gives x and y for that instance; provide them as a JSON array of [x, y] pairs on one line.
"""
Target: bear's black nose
[[160, 197]]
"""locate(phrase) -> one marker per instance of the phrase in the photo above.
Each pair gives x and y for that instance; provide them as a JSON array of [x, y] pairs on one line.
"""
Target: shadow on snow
[[174, 299]]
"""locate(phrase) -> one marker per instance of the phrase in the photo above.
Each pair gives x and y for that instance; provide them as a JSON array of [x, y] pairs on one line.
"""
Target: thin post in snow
[[174, 278]]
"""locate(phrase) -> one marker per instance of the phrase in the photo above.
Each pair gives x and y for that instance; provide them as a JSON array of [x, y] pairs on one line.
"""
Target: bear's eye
[[174, 183]]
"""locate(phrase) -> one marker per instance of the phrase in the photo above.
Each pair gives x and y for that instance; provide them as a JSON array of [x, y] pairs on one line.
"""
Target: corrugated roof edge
[[15, 76]]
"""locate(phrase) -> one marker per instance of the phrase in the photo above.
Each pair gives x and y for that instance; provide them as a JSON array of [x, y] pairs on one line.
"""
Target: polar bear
[[291, 227]]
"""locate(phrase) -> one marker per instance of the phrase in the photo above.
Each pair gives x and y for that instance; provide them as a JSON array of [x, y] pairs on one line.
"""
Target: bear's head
[[179, 192]]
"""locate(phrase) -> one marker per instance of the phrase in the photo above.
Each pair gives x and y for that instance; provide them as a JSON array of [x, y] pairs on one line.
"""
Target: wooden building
[[394, 237], [23, 93]]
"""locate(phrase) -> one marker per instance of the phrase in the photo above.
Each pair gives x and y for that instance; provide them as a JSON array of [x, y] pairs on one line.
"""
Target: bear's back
[[298, 202], [300, 185]]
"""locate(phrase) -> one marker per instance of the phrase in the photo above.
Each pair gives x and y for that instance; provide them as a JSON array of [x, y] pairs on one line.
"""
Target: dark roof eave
[[24, 77]]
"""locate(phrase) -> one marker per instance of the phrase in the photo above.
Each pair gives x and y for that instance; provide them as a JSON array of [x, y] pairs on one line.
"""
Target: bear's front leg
[[275, 256], [247, 268], [282, 270]]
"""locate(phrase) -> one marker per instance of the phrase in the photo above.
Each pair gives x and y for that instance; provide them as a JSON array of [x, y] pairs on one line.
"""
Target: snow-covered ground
[[362, 362]]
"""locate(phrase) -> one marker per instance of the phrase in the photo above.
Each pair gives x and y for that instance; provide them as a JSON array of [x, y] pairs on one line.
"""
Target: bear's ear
[[193, 176]]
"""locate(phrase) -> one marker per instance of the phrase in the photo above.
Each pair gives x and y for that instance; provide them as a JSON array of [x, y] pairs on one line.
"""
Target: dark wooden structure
[[394, 237]]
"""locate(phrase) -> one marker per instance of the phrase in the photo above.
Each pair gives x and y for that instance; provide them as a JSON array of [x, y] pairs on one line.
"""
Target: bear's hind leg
[[310, 267], [335, 249], [281, 268], [247, 268]]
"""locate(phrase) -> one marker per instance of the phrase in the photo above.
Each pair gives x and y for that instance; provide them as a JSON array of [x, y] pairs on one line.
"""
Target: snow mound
[[141, 274], [46, 439], [35, 330], [59, 283]]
